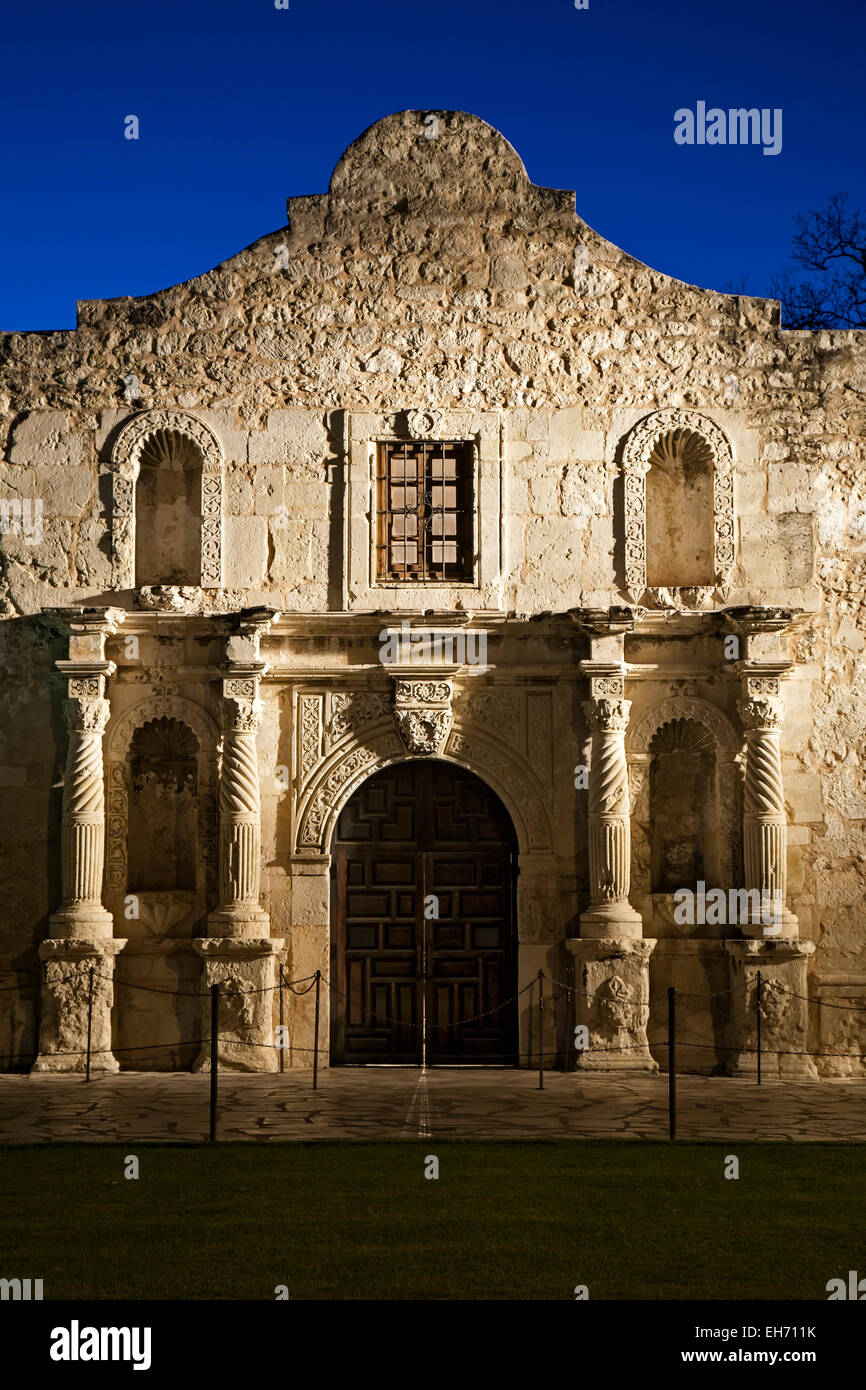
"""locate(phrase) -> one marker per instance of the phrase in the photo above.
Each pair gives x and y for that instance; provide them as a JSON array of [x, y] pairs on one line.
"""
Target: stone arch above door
[[344, 770], [636, 456], [125, 456]]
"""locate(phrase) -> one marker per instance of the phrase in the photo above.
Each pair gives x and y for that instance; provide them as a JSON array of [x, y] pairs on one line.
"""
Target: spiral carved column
[[240, 836], [81, 938], [83, 825], [768, 945], [611, 956], [609, 826], [239, 954], [765, 826]]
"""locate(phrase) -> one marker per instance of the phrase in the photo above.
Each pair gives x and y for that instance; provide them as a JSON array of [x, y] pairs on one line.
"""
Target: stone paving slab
[[397, 1103]]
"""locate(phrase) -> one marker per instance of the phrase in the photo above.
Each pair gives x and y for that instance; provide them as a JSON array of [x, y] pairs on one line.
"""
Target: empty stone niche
[[679, 512], [168, 511], [683, 807], [163, 808]]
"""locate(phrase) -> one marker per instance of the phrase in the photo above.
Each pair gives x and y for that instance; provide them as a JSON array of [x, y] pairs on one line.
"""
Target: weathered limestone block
[[245, 551], [246, 972], [63, 1024], [784, 1008], [48, 433], [611, 981], [777, 553]]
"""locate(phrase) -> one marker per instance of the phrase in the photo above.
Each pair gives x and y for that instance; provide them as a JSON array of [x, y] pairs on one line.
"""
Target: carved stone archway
[[636, 456], [345, 769], [125, 456], [118, 740]]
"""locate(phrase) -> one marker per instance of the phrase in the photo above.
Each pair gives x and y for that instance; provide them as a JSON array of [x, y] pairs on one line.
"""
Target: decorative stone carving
[[784, 1007], [765, 822], [239, 912], [424, 424], [492, 709], [170, 598], [513, 781], [352, 709], [65, 995], [612, 1002], [245, 970], [644, 730], [610, 914], [336, 781], [125, 458], [310, 735], [637, 453], [422, 713]]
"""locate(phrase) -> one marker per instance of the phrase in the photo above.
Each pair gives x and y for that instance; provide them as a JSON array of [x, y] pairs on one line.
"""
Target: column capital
[[86, 715], [240, 716], [607, 715], [761, 713]]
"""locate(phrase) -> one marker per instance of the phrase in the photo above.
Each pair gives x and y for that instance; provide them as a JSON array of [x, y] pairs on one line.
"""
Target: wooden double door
[[424, 958]]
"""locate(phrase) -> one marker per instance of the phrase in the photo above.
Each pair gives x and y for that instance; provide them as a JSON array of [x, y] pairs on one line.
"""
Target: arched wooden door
[[424, 949]]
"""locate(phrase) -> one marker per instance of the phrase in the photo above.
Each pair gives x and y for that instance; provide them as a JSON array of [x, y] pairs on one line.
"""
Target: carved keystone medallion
[[422, 713]]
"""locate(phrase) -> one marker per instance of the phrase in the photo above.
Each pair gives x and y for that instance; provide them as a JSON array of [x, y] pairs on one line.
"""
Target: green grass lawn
[[504, 1220]]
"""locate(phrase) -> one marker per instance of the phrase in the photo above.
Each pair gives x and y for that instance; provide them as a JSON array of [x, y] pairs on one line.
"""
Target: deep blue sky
[[241, 104]]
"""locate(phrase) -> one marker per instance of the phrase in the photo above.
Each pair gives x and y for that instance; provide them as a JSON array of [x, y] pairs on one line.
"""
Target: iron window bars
[[424, 512]]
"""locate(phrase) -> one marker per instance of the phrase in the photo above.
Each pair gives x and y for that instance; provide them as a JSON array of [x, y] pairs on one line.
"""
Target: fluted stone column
[[240, 833], [771, 947], [609, 815], [81, 929], [239, 953], [765, 825], [611, 954]]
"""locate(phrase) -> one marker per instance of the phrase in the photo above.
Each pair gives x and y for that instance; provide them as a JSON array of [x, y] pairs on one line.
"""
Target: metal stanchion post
[[214, 1059], [758, 1022], [89, 1022], [541, 1030], [282, 1036], [316, 1033], [672, 1063]]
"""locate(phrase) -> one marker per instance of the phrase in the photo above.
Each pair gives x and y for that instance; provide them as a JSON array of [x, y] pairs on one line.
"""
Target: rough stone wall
[[434, 275]]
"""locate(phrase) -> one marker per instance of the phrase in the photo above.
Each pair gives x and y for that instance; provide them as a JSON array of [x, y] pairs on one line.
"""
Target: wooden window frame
[[424, 571]]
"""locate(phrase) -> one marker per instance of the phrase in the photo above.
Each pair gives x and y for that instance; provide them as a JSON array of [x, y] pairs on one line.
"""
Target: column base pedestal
[[612, 1003], [243, 920], [65, 991], [611, 922], [245, 969], [782, 962]]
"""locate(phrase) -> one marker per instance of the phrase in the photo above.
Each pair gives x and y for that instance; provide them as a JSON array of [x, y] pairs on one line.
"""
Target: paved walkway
[[392, 1103]]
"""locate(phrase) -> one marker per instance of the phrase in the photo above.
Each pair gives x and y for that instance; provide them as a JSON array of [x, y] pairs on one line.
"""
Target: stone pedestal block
[[65, 993], [246, 971], [784, 1008], [611, 980]]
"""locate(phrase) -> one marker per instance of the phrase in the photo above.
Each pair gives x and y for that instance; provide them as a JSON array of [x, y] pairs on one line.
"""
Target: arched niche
[[683, 808], [177, 452], [181, 714], [692, 496], [693, 733], [168, 511], [162, 850], [679, 512]]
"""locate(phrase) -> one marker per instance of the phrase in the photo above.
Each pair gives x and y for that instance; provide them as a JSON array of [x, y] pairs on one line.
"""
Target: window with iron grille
[[424, 512]]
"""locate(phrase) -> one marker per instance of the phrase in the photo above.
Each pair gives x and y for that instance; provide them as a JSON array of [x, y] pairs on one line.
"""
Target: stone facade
[[667, 535]]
